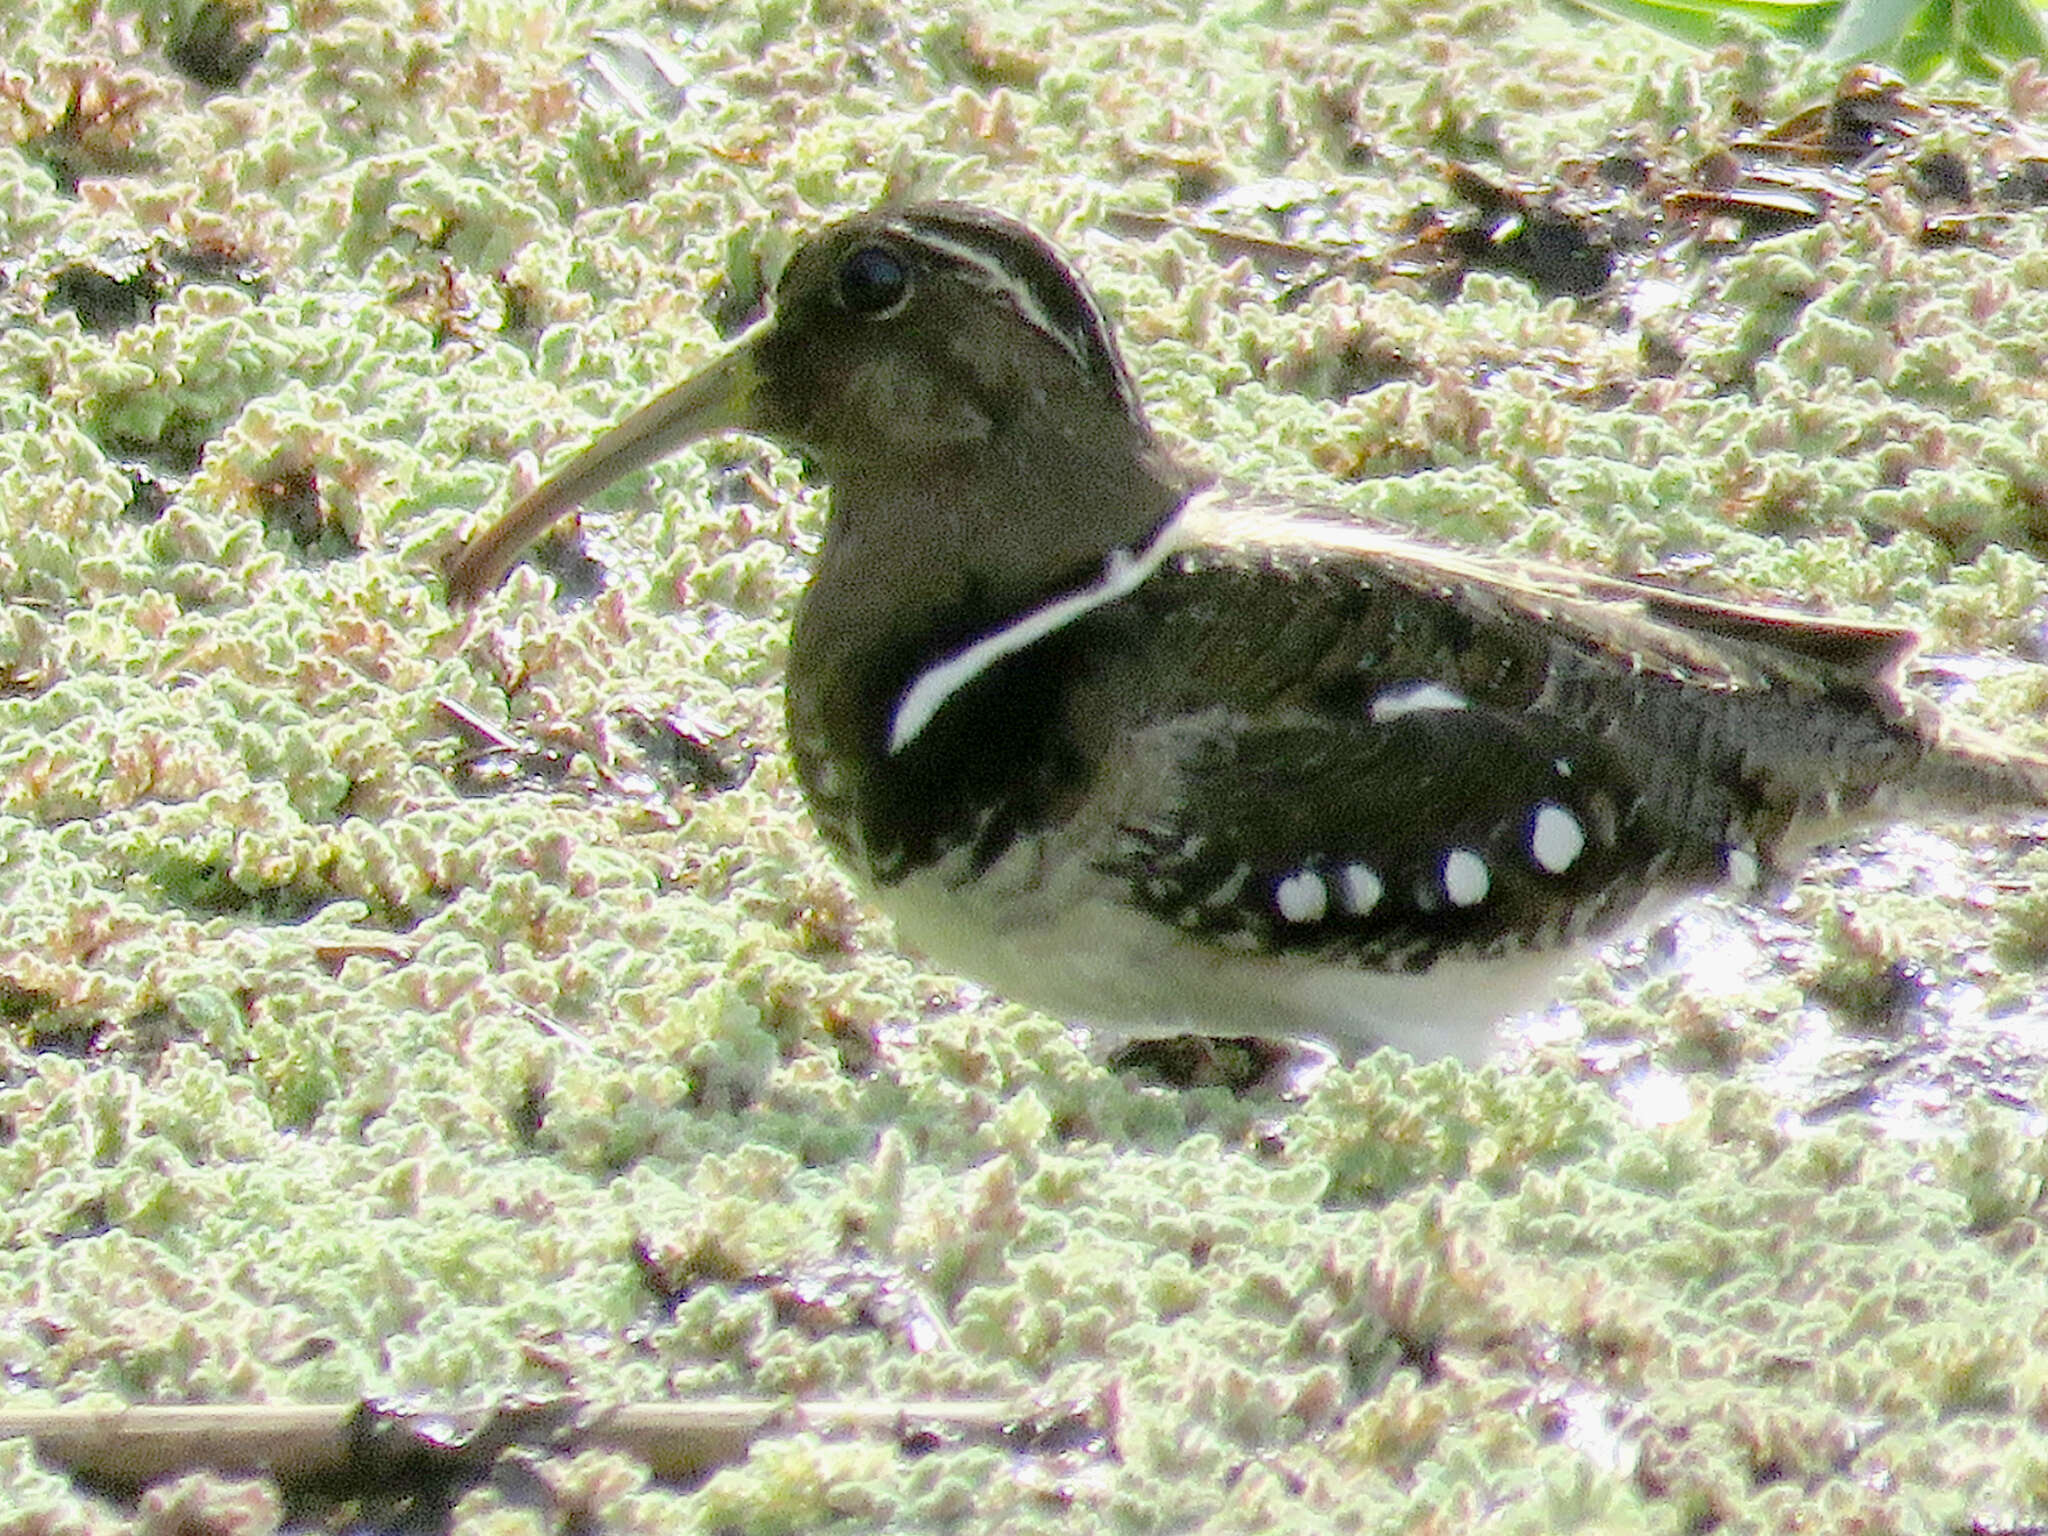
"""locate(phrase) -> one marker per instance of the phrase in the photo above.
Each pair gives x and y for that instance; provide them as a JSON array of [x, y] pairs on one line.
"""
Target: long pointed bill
[[719, 398]]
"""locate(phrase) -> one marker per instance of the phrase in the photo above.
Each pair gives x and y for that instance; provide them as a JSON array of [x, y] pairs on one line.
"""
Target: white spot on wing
[[1302, 897], [1359, 889], [1466, 878], [1415, 699], [1555, 838]]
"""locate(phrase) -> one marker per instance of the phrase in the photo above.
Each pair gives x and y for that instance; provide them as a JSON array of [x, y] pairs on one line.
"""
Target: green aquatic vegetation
[[332, 1064]]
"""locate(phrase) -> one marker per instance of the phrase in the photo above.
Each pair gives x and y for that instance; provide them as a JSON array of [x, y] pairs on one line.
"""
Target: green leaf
[[1705, 23], [1917, 37], [1868, 29]]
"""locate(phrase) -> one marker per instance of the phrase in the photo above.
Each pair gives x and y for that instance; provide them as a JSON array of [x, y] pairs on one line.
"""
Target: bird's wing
[[1389, 751]]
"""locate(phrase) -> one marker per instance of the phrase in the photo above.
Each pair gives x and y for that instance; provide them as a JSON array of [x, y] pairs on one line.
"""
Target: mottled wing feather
[[1702, 639], [1398, 764], [1448, 832]]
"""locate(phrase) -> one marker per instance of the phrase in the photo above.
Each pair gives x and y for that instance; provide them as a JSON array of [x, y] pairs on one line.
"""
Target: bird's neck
[[916, 570], [922, 552]]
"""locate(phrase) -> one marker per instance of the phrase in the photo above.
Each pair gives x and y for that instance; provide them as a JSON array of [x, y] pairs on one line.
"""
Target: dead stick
[[298, 1442]]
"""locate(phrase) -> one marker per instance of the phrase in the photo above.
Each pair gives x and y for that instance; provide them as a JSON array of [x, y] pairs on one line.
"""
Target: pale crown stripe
[[1001, 280]]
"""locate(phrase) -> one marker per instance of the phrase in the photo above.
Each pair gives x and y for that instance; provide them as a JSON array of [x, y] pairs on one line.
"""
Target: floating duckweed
[[588, 1078]]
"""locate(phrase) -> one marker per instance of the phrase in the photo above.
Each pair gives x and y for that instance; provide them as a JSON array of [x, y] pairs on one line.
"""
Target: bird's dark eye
[[873, 283]]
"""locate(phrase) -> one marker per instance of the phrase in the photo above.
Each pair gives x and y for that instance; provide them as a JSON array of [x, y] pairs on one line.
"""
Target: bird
[[1153, 751]]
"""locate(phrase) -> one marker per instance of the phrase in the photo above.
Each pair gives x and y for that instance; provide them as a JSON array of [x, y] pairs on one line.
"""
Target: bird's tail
[[1976, 773]]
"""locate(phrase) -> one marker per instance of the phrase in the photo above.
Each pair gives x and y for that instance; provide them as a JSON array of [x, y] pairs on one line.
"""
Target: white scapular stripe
[[1415, 699], [1122, 574]]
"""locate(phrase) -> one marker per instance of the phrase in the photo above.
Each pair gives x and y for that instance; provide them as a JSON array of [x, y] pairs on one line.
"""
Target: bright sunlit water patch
[[1911, 1042], [1653, 1096]]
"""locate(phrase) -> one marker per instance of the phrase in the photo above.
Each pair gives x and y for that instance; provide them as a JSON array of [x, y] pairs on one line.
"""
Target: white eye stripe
[[1085, 338], [1000, 279]]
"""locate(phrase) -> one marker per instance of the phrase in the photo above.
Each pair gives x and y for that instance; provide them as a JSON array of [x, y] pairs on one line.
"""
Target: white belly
[[1042, 932]]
